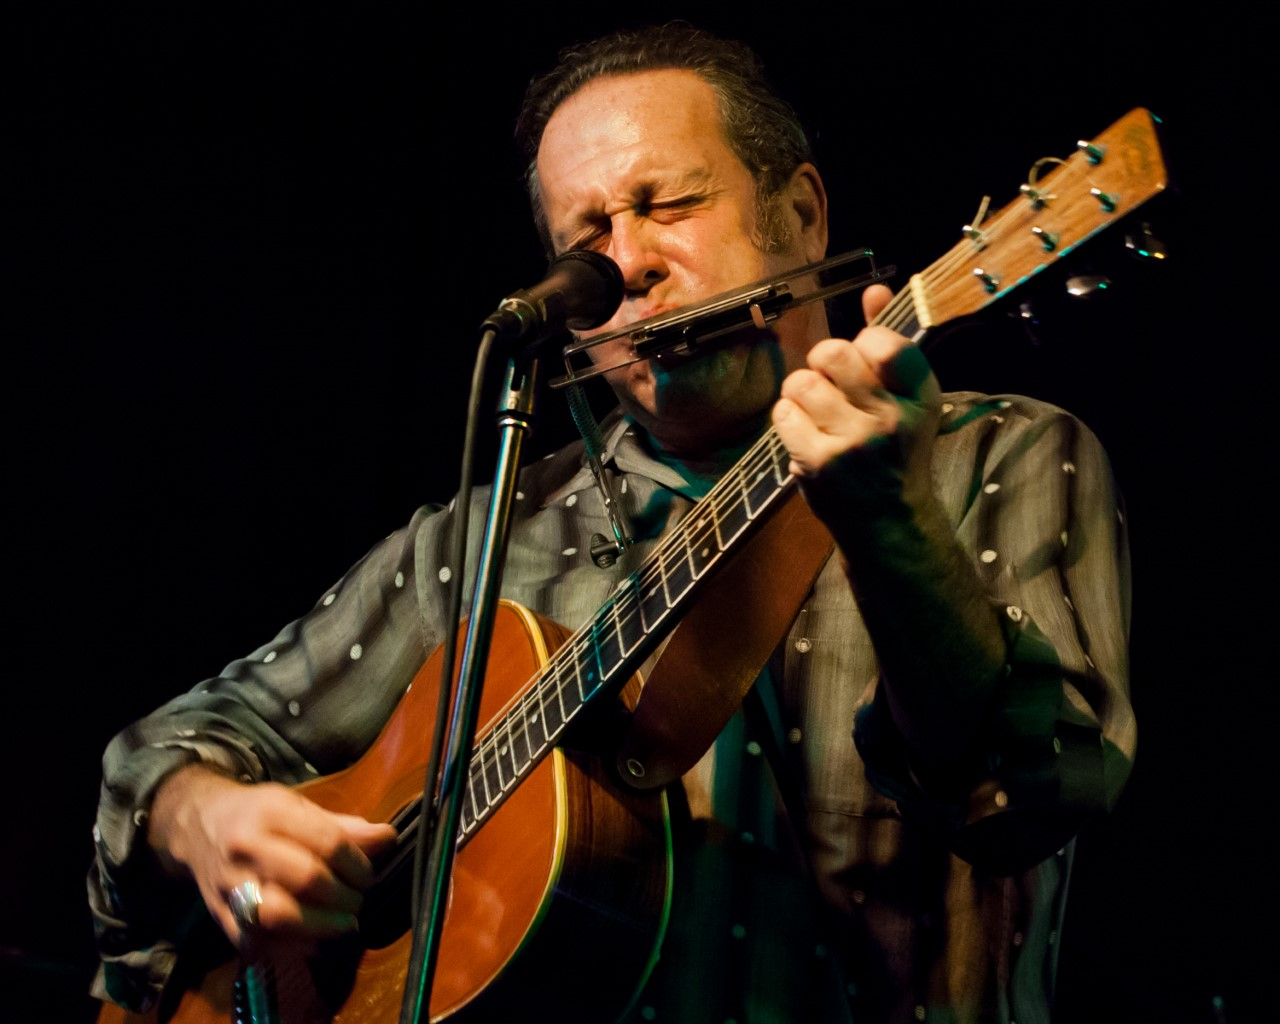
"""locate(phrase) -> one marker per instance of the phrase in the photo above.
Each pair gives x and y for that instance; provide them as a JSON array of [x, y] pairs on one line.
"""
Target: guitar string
[[499, 743], [624, 607]]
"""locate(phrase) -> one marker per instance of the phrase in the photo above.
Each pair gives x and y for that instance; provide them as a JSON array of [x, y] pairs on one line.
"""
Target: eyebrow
[[695, 178]]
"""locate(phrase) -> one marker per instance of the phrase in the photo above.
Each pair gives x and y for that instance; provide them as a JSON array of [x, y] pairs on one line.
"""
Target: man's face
[[635, 166]]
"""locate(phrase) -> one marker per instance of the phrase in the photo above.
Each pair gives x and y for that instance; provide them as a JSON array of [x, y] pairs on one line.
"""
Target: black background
[[249, 249]]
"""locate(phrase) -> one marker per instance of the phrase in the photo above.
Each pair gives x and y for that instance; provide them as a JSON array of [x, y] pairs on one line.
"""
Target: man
[[973, 621]]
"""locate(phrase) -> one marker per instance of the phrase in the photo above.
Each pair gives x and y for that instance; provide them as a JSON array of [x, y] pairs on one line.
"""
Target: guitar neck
[[600, 657]]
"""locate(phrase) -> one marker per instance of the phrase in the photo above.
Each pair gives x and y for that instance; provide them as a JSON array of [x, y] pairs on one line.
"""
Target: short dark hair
[[760, 127]]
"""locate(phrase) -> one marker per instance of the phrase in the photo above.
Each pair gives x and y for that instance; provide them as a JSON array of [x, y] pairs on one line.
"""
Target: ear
[[806, 197]]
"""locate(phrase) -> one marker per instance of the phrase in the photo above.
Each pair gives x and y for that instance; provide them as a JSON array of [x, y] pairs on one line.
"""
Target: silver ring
[[244, 901]]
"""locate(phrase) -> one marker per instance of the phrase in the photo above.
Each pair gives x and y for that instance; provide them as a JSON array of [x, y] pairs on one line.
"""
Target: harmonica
[[683, 331]]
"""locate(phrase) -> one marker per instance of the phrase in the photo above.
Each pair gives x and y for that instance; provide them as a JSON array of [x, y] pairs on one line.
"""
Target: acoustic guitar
[[562, 874]]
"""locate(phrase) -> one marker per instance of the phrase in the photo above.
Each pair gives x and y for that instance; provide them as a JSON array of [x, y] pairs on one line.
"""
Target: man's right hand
[[309, 866]]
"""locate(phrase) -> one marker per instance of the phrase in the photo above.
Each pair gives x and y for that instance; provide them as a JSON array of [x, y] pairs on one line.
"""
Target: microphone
[[582, 289]]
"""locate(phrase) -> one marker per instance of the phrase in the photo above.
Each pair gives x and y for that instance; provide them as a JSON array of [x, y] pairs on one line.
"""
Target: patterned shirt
[[931, 907]]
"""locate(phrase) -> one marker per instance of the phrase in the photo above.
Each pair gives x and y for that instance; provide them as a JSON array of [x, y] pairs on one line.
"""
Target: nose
[[638, 257]]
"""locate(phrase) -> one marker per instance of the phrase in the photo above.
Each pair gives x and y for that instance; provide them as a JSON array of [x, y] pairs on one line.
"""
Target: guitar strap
[[719, 648]]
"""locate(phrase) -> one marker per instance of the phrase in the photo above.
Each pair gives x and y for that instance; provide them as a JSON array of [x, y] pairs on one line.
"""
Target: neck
[[701, 462]]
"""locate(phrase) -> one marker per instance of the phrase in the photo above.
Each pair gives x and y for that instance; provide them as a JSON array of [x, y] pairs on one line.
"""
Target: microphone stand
[[515, 421]]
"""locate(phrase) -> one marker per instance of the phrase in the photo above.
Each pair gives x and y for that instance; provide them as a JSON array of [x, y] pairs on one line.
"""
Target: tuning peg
[[1091, 152], [1144, 245], [1081, 286]]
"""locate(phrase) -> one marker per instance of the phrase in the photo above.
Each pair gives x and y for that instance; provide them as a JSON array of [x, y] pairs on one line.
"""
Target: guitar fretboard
[[599, 658]]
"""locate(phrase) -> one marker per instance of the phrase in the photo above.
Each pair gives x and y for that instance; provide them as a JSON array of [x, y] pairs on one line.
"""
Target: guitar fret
[[498, 748], [558, 714], [613, 646], [702, 546], [527, 755], [761, 490], [586, 666], [539, 717], [486, 776], [630, 622], [508, 748], [655, 602]]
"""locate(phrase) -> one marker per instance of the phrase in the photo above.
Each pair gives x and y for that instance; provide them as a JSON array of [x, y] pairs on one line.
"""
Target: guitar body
[[558, 901]]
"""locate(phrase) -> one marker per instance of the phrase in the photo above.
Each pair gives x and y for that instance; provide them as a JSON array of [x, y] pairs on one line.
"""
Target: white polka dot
[[804, 645], [624, 486], [310, 767], [1014, 613], [271, 656], [1068, 467], [947, 407], [356, 651], [794, 735], [399, 580], [445, 574], [186, 734], [988, 556], [328, 599], [998, 419], [571, 501], [1063, 538], [295, 708], [97, 836], [519, 495], [139, 817], [570, 551], [991, 488], [1003, 404]]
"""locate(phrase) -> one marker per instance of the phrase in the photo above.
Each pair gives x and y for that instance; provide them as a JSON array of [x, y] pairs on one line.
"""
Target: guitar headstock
[[1063, 204]]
